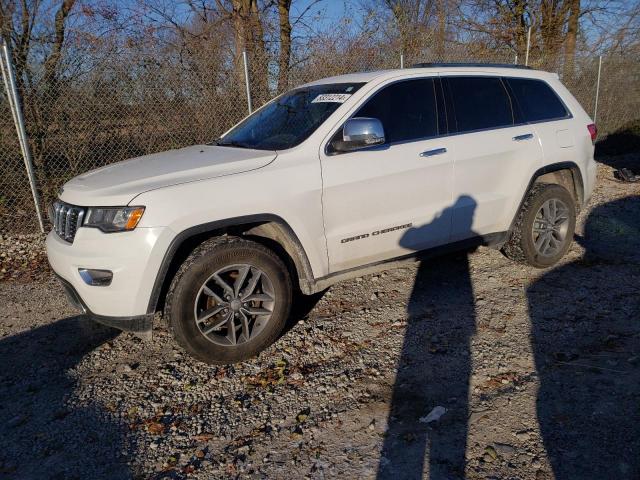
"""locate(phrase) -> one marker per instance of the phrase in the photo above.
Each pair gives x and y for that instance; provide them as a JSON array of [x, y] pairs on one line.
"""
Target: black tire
[[520, 246], [204, 261]]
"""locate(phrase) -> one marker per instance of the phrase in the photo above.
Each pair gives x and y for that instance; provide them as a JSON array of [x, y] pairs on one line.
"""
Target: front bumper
[[133, 257], [141, 324]]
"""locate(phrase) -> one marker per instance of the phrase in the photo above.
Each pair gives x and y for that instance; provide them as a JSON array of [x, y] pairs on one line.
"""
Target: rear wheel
[[229, 300], [544, 228]]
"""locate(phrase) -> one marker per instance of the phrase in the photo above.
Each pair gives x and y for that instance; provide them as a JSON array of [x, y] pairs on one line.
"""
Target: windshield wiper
[[229, 143]]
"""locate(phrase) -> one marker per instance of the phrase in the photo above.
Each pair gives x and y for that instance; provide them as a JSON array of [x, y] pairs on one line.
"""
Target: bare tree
[[502, 22], [415, 20], [19, 22], [23, 26]]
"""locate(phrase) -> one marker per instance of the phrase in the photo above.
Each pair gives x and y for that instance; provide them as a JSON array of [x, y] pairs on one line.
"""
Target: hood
[[118, 183]]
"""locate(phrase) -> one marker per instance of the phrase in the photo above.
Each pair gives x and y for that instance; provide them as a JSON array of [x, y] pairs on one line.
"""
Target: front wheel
[[544, 228], [229, 300]]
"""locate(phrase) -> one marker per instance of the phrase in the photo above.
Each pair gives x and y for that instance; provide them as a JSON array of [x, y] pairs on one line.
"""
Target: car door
[[541, 107], [386, 201], [496, 154]]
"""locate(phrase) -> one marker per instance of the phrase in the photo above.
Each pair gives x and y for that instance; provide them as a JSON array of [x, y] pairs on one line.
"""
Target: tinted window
[[536, 100], [479, 103], [406, 109], [290, 119]]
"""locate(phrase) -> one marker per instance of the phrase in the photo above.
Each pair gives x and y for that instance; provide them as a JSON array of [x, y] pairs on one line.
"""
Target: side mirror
[[360, 132]]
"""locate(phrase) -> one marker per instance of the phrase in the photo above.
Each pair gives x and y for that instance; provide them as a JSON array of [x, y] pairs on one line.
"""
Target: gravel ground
[[537, 373], [23, 258]]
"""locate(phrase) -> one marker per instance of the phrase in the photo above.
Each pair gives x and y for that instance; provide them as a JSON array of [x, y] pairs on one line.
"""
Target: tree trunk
[[284, 7], [401, 18], [50, 86], [442, 29], [259, 61], [19, 41], [554, 18], [570, 40], [522, 29], [239, 15], [52, 61], [249, 37], [36, 105]]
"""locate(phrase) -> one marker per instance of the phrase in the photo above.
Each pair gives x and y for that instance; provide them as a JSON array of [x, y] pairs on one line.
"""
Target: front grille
[[66, 220]]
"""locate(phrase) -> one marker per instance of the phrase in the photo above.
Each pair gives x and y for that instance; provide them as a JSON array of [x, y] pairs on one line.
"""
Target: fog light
[[96, 278]]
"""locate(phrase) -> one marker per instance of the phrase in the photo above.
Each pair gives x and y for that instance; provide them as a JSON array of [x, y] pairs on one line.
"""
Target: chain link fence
[[17, 212], [135, 105]]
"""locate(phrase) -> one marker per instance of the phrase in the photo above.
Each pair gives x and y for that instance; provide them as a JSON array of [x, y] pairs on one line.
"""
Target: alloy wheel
[[550, 227], [234, 304]]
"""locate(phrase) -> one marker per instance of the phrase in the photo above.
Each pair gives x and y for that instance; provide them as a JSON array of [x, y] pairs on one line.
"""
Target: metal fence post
[[402, 60], [246, 80], [8, 76], [595, 107], [526, 58]]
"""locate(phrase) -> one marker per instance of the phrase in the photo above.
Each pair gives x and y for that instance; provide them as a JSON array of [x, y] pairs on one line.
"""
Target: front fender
[[251, 224]]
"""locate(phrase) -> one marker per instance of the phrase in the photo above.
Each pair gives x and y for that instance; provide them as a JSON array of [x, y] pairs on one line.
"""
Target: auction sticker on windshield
[[331, 97]]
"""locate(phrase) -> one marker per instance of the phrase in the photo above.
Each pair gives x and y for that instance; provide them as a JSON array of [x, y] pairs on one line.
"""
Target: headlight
[[113, 219]]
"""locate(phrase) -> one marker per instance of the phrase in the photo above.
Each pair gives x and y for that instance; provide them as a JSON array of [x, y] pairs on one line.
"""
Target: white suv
[[337, 178]]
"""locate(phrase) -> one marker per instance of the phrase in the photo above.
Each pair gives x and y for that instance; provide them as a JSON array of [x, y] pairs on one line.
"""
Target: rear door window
[[536, 99], [407, 110], [480, 103]]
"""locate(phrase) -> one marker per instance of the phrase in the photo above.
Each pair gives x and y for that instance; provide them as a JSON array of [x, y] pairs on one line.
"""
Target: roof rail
[[471, 64]]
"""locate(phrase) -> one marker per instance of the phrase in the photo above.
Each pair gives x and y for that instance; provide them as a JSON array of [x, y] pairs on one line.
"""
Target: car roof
[[478, 69]]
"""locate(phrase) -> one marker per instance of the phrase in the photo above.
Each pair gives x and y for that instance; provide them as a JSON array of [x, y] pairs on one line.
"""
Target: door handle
[[431, 153], [520, 138]]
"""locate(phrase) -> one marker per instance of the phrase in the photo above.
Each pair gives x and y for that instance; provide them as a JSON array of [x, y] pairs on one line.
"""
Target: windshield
[[290, 119]]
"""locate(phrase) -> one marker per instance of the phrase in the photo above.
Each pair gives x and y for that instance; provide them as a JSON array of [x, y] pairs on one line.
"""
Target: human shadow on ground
[[434, 365], [41, 435], [587, 350]]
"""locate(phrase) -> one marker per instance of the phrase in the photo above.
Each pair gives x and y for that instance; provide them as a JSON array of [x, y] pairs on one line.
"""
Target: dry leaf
[[155, 428]]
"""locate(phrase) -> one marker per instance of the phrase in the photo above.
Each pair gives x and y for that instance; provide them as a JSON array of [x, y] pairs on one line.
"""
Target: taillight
[[593, 131]]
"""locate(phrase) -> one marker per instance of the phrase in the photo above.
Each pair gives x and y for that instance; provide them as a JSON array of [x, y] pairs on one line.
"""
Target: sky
[[327, 11]]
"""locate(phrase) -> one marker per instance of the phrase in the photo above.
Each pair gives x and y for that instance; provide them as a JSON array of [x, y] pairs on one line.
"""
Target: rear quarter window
[[537, 100]]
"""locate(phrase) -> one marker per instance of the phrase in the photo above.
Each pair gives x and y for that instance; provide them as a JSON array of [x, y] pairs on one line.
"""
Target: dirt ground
[[467, 366]]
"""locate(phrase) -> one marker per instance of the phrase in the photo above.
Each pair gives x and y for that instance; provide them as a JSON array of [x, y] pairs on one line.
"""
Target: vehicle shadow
[[627, 160], [587, 350], [434, 367], [621, 149], [41, 434], [301, 307]]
